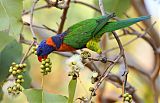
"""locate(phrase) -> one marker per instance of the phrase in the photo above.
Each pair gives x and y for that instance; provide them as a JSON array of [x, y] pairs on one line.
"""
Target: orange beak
[[42, 57]]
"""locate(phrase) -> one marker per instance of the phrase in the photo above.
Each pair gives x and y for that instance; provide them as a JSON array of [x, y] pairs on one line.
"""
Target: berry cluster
[[127, 97], [34, 50], [15, 89], [16, 70], [95, 77], [46, 66], [92, 91], [75, 70], [85, 54]]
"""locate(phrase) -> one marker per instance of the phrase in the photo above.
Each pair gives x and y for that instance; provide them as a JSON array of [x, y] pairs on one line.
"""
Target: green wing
[[79, 34], [112, 26]]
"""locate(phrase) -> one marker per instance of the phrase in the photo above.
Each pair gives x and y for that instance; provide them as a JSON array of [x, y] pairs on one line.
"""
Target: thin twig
[[124, 59], [40, 27], [31, 19], [63, 17], [26, 54], [101, 6]]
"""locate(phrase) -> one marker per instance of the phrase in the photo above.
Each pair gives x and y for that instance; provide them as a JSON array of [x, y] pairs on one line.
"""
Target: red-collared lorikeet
[[80, 34]]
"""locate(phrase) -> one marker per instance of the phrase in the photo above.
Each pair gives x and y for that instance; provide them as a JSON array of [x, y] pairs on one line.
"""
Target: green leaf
[[10, 16], [1, 94], [117, 6], [39, 96], [72, 89], [10, 51]]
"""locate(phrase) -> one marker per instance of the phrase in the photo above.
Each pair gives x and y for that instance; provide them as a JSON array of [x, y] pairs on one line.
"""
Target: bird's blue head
[[43, 50]]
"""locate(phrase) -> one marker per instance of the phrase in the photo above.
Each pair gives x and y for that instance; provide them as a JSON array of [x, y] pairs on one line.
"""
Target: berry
[[18, 71], [42, 71], [20, 76], [130, 96], [50, 63], [15, 68], [47, 65], [10, 70], [127, 99], [24, 65], [14, 72], [9, 89], [18, 80], [43, 62], [22, 80], [14, 88], [42, 66], [95, 75], [47, 60], [18, 85], [21, 65], [47, 69], [91, 89], [13, 63]]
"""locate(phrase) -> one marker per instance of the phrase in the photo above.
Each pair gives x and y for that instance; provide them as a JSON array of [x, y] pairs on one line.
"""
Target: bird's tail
[[112, 26]]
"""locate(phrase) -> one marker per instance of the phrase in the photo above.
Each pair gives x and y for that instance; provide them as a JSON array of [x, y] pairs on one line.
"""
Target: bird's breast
[[64, 47]]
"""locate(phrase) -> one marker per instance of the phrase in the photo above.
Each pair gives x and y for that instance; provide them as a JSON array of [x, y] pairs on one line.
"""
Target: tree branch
[[63, 17]]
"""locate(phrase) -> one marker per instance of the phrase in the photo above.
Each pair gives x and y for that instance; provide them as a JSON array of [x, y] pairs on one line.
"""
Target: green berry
[[10, 70], [19, 71], [47, 65], [10, 67], [14, 88], [50, 63], [47, 69], [20, 76], [43, 62], [74, 63], [13, 63], [32, 51], [22, 80], [130, 96], [91, 89], [18, 85], [127, 99], [21, 65], [47, 60], [42, 66], [125, 95], [50, 66], [14, 72], [15, 68], [95, 75], [18, 80], [24, 65], [130, 101], [34, 48], [35, 52], [9, 89], [42, 71]]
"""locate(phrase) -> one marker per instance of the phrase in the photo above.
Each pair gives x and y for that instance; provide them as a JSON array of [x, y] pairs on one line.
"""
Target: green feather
[[79, 34]]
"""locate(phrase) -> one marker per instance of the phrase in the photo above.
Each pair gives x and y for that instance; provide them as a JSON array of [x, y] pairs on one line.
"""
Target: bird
[[84, 34]]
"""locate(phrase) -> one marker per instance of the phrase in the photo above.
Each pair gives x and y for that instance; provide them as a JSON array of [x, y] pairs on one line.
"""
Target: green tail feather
[[112, 26]]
